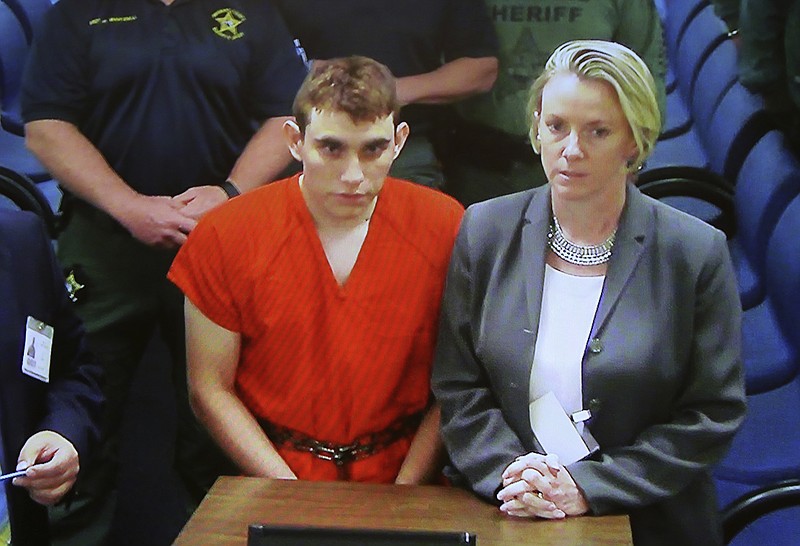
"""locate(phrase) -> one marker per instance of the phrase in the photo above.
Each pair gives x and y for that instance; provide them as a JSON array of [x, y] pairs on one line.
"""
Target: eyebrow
[[328, 140], [378, 142]]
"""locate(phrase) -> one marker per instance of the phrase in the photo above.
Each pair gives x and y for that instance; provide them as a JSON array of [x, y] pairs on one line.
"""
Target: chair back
[[704, 33], [783, 272], [768, 181], [19, 191], [715, 77], [30, 14], [679, 15], [13, 52], [739, 121]]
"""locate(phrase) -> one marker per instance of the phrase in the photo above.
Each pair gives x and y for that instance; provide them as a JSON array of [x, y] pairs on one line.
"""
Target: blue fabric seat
[[678, 16], [771, 337], [737, 123], [783, 273], [20, 192], [13, 51], [769, 359], [677, 120], [30, 14], [779, 524], [768, 181], [716, 75], [683, 150], [14, 155], [704, 33], [765, 448]]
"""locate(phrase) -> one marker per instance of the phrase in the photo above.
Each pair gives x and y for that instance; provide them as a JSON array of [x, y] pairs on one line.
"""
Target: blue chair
[[765, 449], [685, 150], [770, 513], [13, 52], [19, 191], [15, 156], [769, 359], [747, 214], [699, 192], [683, 62], [677, 119], [768, 181], [670, 80], [715, 77], [30, 14], [704, 33], [679, 14], [738, 122], [771, 338], [783, 273]]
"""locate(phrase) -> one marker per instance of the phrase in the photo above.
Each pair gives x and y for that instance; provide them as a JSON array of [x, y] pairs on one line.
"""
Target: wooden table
[[234, 502]]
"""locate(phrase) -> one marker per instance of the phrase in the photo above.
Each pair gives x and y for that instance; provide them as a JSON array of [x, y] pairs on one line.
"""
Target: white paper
[[555, 431]]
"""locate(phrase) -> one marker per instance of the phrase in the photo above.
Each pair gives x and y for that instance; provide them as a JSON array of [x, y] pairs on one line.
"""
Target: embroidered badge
[[229, 21], [109, 20], [73, 286]]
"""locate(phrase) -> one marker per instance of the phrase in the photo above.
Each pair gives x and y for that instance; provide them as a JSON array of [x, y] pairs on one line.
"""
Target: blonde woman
[[588, 297]]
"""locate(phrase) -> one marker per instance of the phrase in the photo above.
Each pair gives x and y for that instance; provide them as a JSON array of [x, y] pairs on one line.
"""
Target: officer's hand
[[52, 467], [197, 201], [156, 221]]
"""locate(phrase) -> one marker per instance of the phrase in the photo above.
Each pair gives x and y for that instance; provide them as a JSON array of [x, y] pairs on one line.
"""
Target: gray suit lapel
[[633, 232], [534, 244]]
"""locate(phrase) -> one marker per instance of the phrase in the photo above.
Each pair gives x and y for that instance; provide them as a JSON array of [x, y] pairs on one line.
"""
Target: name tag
[[556, 432], [37, 350]]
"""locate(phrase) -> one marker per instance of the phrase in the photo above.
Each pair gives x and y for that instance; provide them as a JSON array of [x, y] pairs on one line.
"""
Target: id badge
[[37, 349]]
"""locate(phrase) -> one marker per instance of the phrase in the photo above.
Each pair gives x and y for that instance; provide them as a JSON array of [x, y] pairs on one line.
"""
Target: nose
[[572, 147], [353, 173]]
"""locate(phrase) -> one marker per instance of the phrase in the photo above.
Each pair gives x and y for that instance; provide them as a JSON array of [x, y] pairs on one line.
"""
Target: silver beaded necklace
[[578, 254]]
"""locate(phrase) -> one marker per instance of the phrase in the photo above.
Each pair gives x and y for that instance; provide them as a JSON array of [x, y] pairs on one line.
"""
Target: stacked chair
[[19, 21], [731, 168], [17, 191]]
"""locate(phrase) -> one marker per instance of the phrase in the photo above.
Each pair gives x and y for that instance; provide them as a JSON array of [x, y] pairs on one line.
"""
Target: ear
[[400, 135], [633, 153], [293, 137]]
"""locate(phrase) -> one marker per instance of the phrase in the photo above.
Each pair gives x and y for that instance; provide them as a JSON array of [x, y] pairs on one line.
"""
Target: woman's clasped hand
[[536, 485]]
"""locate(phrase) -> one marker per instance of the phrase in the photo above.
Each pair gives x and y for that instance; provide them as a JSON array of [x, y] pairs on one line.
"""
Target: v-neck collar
[[310, 228]]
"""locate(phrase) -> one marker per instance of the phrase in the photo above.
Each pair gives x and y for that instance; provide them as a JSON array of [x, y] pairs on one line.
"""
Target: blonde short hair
[[624, 70]]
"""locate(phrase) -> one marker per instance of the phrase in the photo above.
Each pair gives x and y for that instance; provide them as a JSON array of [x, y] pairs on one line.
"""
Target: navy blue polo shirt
[[409, 36], [170, 95]]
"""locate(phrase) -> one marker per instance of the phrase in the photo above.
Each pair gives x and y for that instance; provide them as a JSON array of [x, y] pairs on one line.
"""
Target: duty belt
[[341, 454]]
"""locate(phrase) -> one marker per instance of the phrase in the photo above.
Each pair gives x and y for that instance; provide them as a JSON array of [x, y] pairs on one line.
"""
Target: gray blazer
[[662, 371]]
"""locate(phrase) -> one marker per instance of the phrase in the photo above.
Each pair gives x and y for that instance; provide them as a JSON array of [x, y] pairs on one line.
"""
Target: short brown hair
[[358, 86]]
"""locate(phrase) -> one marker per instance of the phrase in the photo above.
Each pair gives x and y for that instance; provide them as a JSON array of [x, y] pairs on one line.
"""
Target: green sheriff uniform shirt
[[529, 30]]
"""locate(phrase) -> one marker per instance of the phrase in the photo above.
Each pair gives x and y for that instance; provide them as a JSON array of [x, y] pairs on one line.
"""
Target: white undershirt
[[569, 304]]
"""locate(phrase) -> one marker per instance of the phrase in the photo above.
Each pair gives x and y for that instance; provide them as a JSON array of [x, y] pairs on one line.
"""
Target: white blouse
[[569, 304]]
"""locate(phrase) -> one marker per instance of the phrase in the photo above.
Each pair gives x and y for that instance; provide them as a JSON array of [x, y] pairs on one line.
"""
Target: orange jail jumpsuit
[[333, 362]]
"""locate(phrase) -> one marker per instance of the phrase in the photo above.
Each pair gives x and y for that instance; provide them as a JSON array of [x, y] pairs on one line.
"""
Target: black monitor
[[300, 535]]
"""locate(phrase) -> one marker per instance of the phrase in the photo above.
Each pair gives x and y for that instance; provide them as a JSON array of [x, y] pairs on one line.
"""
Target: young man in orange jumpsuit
[[312, 303]]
